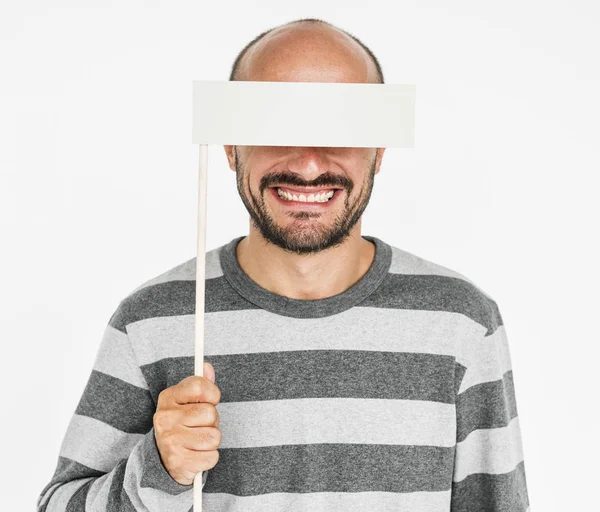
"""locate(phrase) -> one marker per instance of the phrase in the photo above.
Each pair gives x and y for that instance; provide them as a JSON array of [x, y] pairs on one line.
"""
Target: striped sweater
[[396, 394]]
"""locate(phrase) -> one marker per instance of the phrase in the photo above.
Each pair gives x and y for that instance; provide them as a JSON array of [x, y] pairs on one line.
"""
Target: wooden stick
[[200, 277]]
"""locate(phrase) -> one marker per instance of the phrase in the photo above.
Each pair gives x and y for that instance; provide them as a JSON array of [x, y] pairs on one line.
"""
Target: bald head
[[307, 51]]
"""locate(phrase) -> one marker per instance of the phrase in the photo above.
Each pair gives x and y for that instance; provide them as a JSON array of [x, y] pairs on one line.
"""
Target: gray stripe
[[319, 374], [77, 501], [399, 291], [45, 495], [331, 468], [97, 496], [67, 470], [499, 409], [168, 372], [484, 492], [117, 497], [63, 494], [435, 293], [459, 374], [176, 298], [118, 403]]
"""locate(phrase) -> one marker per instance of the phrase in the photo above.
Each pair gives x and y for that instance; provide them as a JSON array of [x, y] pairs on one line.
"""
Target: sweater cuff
[[155, 474]]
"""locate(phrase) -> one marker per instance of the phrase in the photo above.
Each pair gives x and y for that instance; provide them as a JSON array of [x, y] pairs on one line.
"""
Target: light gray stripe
[[403, 262], [336, 420], [45, 495], [158, 338], [115, 357], [406, 262], [77, 501], [108, 447], [486, 359], [60, 499], [186, 271], [97, 497], [228, 332], [319, 501], [493, 451]]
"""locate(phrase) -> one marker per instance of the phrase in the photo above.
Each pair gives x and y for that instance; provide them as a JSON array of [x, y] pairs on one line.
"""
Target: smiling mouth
[[306, 195]]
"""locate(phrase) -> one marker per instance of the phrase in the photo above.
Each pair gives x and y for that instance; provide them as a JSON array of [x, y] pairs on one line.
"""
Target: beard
[[303, 236]]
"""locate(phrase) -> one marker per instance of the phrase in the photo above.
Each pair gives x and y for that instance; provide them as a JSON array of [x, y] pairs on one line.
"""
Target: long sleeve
[[489, 470], [109, 459]]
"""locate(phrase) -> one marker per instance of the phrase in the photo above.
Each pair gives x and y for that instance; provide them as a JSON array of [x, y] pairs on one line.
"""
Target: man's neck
[[307, 276]]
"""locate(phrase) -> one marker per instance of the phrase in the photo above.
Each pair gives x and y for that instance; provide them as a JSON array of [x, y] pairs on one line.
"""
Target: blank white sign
[[328, 114]]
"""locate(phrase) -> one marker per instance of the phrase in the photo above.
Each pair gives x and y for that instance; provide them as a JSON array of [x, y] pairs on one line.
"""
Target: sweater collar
[[310, 308]]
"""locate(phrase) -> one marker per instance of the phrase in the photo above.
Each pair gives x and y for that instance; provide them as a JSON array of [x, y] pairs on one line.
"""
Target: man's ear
[[229, 152], [380, 152]]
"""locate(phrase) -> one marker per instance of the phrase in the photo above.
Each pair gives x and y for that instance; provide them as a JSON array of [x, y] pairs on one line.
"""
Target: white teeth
[[312, 198]]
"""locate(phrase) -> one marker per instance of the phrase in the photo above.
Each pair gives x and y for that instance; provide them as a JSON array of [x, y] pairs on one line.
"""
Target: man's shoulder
[[448, 288], [170, 292], [184, 271], [409, 263]]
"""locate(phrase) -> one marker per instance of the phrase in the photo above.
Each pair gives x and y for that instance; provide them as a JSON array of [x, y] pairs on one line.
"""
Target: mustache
[[324, 180]]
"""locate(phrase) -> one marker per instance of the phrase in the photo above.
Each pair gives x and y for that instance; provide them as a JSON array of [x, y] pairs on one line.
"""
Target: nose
[[308, 162]]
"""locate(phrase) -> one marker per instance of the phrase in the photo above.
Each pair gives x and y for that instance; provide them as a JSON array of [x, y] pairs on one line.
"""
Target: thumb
[[209, 371]]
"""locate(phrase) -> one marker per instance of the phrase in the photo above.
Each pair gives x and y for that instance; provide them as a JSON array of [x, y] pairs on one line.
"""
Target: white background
[[99, 175]]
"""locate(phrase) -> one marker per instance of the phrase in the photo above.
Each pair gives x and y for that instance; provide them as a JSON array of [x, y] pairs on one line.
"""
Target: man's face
[[268, 177]]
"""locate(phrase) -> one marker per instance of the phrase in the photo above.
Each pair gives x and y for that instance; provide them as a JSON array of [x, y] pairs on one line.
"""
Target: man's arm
[[109, 459], [489, 470]]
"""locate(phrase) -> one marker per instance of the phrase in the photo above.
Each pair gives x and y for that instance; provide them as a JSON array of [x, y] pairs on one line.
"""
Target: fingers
[[199, 415], [184, 464], [192, 389], [186, 425], [172, 436], [201, 438], [209, 371]]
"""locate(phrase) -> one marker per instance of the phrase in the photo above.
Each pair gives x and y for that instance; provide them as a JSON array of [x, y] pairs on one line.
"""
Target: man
[[342, 373]]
